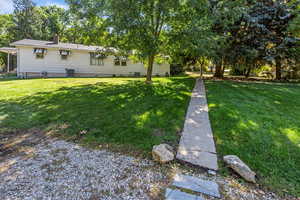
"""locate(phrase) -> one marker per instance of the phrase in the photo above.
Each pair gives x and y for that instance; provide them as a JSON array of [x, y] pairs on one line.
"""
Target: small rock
[[212, 172], [162, 153], [261, 192], [240, 167]]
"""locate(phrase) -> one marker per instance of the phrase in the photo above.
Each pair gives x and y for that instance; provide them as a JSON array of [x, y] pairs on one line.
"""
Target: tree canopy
[[243, 34], [262, 35], [151, 28]]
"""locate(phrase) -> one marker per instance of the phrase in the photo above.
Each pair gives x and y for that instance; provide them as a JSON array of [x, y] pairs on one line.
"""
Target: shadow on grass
[[131, 113], [260, 124]]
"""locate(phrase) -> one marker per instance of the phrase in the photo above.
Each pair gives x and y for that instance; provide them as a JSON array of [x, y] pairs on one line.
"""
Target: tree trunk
[[248, 71], [278, 69], [201, 70], [219, 70], [150, 68], [223, 70]]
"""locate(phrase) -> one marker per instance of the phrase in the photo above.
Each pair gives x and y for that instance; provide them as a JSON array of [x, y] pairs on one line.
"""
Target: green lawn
[[117, 111], [260, 123]]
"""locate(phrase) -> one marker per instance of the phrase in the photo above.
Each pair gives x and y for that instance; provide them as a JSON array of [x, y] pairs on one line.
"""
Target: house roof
[[9, 50], [51, 44]]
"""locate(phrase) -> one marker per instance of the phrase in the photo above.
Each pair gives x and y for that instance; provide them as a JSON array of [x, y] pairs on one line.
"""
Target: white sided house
[[36, 58]]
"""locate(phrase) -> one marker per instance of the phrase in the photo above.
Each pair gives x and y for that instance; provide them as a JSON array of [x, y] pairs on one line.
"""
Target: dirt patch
[[20, 143]]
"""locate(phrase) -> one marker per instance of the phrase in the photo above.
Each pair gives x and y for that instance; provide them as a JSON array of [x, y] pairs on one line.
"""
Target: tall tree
[[78, 25], [270, 20], [6, 24], [26, 20], [262, 35], [294, 29], [224, 13], [54, 21], [141, 25], [189, 36], [150, 27], [34, 22]]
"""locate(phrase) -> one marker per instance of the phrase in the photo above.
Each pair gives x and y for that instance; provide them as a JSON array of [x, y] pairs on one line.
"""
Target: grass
[[260, 123], [121, 111]]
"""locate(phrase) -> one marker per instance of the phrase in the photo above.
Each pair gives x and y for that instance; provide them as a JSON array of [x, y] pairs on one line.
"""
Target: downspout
[[8, 62], [18, 63]]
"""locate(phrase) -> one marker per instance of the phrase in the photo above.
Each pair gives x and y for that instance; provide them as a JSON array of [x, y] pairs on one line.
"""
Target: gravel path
[[34, 166], [62, 170]]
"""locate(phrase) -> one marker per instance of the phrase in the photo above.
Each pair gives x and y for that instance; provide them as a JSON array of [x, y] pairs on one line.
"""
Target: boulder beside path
[[163, 153], [240, 167]]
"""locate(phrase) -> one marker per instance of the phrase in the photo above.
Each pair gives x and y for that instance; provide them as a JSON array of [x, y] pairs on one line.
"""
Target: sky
[[6, 6]]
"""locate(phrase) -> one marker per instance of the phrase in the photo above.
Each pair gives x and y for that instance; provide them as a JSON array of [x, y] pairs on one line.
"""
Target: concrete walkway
[[197, 144]]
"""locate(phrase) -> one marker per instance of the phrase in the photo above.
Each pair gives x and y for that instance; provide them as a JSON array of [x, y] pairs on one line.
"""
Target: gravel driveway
[[55, 169], [34, 166]]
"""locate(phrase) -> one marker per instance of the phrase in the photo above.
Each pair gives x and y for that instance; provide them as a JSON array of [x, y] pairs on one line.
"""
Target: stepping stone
[[197, 185], [199, 158], [190, 142], [178, 195]]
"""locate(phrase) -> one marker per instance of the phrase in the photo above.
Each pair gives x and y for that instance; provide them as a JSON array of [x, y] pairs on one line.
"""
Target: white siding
[[80, 62]]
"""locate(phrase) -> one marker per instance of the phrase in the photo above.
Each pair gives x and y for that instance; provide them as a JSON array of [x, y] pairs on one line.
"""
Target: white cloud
[[49, 3], [6, 6]]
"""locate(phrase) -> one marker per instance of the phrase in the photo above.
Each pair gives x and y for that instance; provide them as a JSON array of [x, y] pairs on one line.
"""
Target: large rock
[[240, 167], [163, 153]]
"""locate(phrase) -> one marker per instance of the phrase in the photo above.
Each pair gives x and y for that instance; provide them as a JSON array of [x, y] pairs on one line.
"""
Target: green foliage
[[203, 62], [77, 30], [189, 35], [54, 20], [152, 27], [141, 26], [241, 34], [224, 14], [262, 35], [33, 22], [26, 20], [6, 23]]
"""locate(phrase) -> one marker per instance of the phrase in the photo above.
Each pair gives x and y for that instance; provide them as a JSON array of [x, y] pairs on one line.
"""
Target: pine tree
[[25, 20]]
